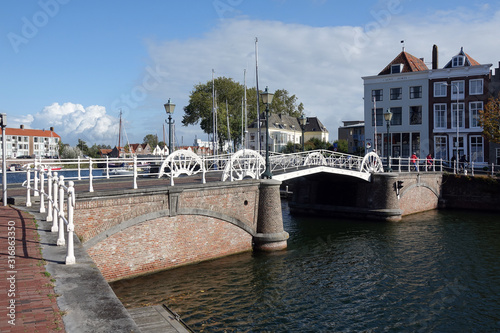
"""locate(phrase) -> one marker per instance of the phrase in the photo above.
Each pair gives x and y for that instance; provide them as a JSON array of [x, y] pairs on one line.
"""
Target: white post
[[55, 219], [203, 171], [49, 197], [171, 173], [79, 174], [35, 179], [230, 169], [399, 164], [91, 186], [70, 255], [42, 199], [28, 181], [107, 167], [135, 172], [60, 240]]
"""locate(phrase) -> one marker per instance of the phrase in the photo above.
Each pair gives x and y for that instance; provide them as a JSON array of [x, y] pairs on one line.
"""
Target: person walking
[[428, 162], [414, 161]]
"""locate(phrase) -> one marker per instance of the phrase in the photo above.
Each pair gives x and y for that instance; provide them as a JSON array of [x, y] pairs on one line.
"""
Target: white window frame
[[461, 112], [476, 87], [440, 89], [443, 109], [474, 158], [458, 61], [460, 85], [474, 108], [444, 147]]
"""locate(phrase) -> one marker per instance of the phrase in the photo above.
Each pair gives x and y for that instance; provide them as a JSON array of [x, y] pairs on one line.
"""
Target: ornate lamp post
[[169, 107], [388, 118], [267, 98], [303, 121]]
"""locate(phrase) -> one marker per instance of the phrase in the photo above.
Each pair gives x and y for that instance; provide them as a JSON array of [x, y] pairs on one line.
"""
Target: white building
[[31, 142], [401, 87]]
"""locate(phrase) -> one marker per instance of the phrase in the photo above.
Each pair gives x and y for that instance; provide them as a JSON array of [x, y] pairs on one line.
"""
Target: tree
[[489, 119], [342, 146], [82, 146], [152, 140], [199, 109]]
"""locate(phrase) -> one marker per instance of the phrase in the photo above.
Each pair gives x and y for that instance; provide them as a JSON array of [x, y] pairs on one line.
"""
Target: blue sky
[[73, 64]]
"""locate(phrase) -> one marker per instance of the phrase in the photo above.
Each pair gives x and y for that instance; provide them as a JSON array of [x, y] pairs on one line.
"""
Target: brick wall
[[133, 232], [166, 243]]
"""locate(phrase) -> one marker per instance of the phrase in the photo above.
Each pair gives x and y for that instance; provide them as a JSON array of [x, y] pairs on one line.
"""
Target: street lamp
[[388, 117], [267, 98], [169, 107], [3, 124], [303, 121]]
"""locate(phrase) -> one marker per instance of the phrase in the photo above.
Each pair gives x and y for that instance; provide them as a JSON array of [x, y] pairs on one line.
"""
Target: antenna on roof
[[403, 42]]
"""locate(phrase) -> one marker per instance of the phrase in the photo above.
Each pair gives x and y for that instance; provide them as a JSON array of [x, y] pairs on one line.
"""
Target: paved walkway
[[25, 285]]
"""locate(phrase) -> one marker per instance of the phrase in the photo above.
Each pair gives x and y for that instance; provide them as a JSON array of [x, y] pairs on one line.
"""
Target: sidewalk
[[28, 299]]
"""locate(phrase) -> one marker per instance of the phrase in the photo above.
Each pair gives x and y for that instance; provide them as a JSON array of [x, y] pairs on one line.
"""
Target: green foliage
[[229, 101], [489, 119], [315, 143], [152, 140], [291, 148], [342, 146]]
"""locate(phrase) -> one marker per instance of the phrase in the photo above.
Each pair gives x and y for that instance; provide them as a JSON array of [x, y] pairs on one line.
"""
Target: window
[[415, 142], [474, 108], [457, 86], [396, 93], [440, 144], [458, 61], [439, 89], [476, 87], [476, 149], [416, 115], [380, 117], [396, 116], [454, 115], [439, 115], [395, 69], [416, 92], [377, 94]]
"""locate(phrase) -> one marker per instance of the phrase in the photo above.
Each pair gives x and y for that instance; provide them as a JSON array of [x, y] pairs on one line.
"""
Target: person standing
[[414, 161]]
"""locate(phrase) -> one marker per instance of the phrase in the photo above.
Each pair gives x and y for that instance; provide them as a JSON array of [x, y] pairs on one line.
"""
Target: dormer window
[[458, 61], [398, 68]]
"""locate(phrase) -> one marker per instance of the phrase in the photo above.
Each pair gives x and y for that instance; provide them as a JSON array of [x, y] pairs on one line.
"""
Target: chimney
[[52, 129], [21, 127], [435, 62]]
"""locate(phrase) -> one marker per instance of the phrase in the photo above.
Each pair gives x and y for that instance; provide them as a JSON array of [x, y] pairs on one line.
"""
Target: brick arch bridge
[[132, 232]]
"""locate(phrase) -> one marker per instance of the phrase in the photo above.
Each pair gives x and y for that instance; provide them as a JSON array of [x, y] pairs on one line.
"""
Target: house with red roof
[[31, 142], [433, 110]]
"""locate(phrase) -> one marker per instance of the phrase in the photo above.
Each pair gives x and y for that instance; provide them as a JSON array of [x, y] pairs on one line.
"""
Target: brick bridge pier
[[133, 232]]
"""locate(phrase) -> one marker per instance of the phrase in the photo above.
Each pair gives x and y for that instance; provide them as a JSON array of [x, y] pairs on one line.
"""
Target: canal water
[[437, 271]]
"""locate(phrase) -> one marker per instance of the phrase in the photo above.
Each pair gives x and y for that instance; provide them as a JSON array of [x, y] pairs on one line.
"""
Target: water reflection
[[436, 271]]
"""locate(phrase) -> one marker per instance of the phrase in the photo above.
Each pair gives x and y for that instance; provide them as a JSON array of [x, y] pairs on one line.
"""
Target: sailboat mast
[[245, 108], [213, 112], [120, 134], [257, 89]]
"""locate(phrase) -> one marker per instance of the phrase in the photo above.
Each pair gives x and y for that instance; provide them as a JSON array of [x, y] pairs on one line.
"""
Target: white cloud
[[73, 122], [322, 66]]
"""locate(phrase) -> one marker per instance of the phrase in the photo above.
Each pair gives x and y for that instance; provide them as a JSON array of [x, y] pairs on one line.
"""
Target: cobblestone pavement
[[28, 302]]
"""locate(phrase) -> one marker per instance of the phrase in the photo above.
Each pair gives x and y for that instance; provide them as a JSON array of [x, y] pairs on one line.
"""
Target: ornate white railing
[[57, 193]]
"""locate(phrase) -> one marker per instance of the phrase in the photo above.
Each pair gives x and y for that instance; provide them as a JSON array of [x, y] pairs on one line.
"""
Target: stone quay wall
[[474, 193]]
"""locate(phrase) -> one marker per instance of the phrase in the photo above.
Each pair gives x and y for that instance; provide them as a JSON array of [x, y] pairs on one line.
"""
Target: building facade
[[402, 88], [431, 108], [31, 142], [284, 129], [354, 133]]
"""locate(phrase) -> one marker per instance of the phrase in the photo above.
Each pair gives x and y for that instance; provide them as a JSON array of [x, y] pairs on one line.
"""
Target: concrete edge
[[88, 302]]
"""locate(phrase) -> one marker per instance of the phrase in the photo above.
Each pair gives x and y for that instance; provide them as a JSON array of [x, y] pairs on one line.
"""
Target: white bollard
[[35, 179], [55, 219], [60, 240], [135, 172], [107, 167], [91, 186], [49, 197], [79, 174], [70, 255], [42, 197]]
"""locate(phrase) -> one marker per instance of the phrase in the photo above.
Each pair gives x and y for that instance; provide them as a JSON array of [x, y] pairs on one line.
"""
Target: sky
[[75, 64]]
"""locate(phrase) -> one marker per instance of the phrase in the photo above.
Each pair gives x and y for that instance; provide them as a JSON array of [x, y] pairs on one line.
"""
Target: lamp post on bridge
[[388, 118], [169, 108], [303, 121], [267, 98]]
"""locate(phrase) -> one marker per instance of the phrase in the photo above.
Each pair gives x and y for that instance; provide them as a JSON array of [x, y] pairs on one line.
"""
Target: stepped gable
[[410, 64]]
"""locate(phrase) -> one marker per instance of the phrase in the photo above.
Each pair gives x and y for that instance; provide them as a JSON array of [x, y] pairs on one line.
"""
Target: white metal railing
[[55, 205], [407, 164]]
